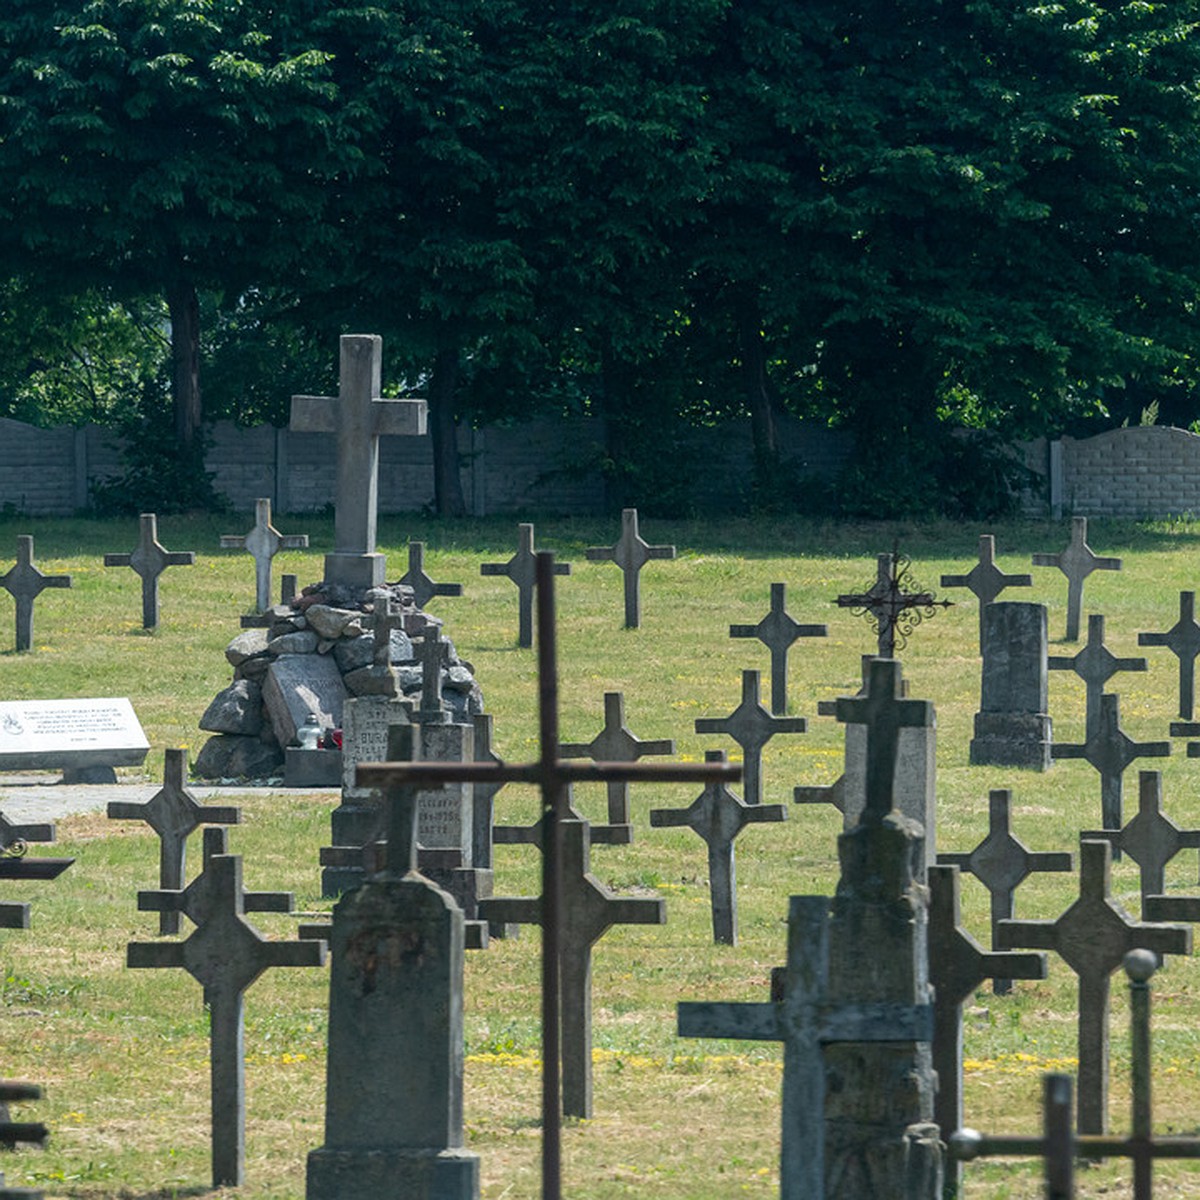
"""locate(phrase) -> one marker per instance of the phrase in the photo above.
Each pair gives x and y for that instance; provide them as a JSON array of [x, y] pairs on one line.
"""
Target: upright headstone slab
[[299, 685], [173, 813], [225, 955], [24, 582], [718, 816], [445, 813], [616, 743], [264, 541], [149, 560], [631, 554], [423, 588], [1001, 862], [1183, 640], [521, 570], [1110, 751], [778, 632], [396, 1003], [1095, 664], [1076, 562], [985, 580], [1092, 937], [1012, 728], [751, 726], [85, 738], [358, 416]]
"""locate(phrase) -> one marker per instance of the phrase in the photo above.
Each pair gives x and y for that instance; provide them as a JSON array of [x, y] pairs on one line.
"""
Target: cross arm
[[1171, 908], [154, 954], [1027, 935], [117, 560], [765, 812], [755, 1022], [1013, 964], [516, 910], [1049, 860], [1154, 639], [634, 910], [954, 859], [233, 541], [295, 954], [14, 915], [665, 818], [179, 558], [880, 1021], [834, 793]]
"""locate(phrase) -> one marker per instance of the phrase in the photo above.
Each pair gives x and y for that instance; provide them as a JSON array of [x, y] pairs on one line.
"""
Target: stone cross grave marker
[[1092, 937], [958, 964], [751, 726], [1183, 640], [1001, 862], [149, 560], [483, 795], [225, 955], [424, 589], [589, 910], [1076, 562], [359, 416], [552, 774], [264, 541], [521, 569], [1059, 1146], [778, 631], [1151, 838], [434, 656], [14, 837], [631, 554], [803, 1015], [533, 835], [1110, 751], [173, 813], [718, 816], [1095, 664], [985, 580], [615, 743], [395, 998], [16, 865], [893, 609], [24, 582]]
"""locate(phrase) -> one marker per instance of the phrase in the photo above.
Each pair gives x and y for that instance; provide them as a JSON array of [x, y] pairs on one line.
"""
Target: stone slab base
[[1011, 740], [392, 1175], [312, 768]]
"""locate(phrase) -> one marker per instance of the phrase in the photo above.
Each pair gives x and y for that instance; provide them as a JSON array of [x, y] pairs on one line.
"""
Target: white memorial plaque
[[61, 734]]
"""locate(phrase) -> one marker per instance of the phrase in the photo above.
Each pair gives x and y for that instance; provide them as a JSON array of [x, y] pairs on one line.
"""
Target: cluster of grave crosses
[[875, 977]]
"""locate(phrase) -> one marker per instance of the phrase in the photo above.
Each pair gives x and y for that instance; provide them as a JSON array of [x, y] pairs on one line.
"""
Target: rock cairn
[[307, 657]]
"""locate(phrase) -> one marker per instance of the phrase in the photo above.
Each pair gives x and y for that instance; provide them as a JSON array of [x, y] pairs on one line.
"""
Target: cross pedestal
[[264, 541], [1095, 664], [615, 743], [522, 570], [149, 561], [24, 582], [1092, 937], [718, 816], [1076, 562], [423, 588], [751, 726], [631, 554], [1183, 640], [778, 631], [985, 580], [358, 416]]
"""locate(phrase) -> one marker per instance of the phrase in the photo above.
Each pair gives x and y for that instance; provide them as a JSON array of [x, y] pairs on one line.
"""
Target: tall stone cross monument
[[359, 416]]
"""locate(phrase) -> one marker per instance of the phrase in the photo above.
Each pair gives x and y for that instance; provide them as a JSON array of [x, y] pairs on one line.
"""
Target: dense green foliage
[[906, 220]]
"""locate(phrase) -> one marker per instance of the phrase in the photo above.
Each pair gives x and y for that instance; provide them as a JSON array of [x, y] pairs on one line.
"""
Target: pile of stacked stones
[[309, 656]]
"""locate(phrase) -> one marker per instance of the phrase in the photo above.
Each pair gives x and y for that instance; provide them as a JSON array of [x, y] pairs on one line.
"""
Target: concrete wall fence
[[552, 467]]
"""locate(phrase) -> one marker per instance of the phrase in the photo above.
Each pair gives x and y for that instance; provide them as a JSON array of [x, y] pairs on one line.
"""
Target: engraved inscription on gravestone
[[70, 734]]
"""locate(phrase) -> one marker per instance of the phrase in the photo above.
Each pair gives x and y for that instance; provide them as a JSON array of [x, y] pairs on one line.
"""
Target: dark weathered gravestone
[[149, 560], [1110, 751], [424, 589], [631, 554], [751, 726], [552, 774], [1001, 862], [985, 580], [958, 964], [718, 816], [894, 604], [1012, 728], [1092, 937], [521, 570], [1183, 640], [396, 1001], [778, 631], [1095, 664], [1151, 838], [225, 955], [1059, 1146], [615, 743], [24, 582], [264, 541], [359, 416], [173, 813], [1076, 562]]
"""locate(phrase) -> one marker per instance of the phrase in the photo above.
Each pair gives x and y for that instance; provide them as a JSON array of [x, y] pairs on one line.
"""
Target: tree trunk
[[443, 430], [183, 306]]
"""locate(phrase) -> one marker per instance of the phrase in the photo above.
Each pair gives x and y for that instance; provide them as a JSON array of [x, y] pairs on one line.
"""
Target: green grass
[[123, 1053]]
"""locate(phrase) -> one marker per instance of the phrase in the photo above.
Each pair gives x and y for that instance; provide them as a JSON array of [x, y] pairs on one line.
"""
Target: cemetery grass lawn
[[123, 1054]]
